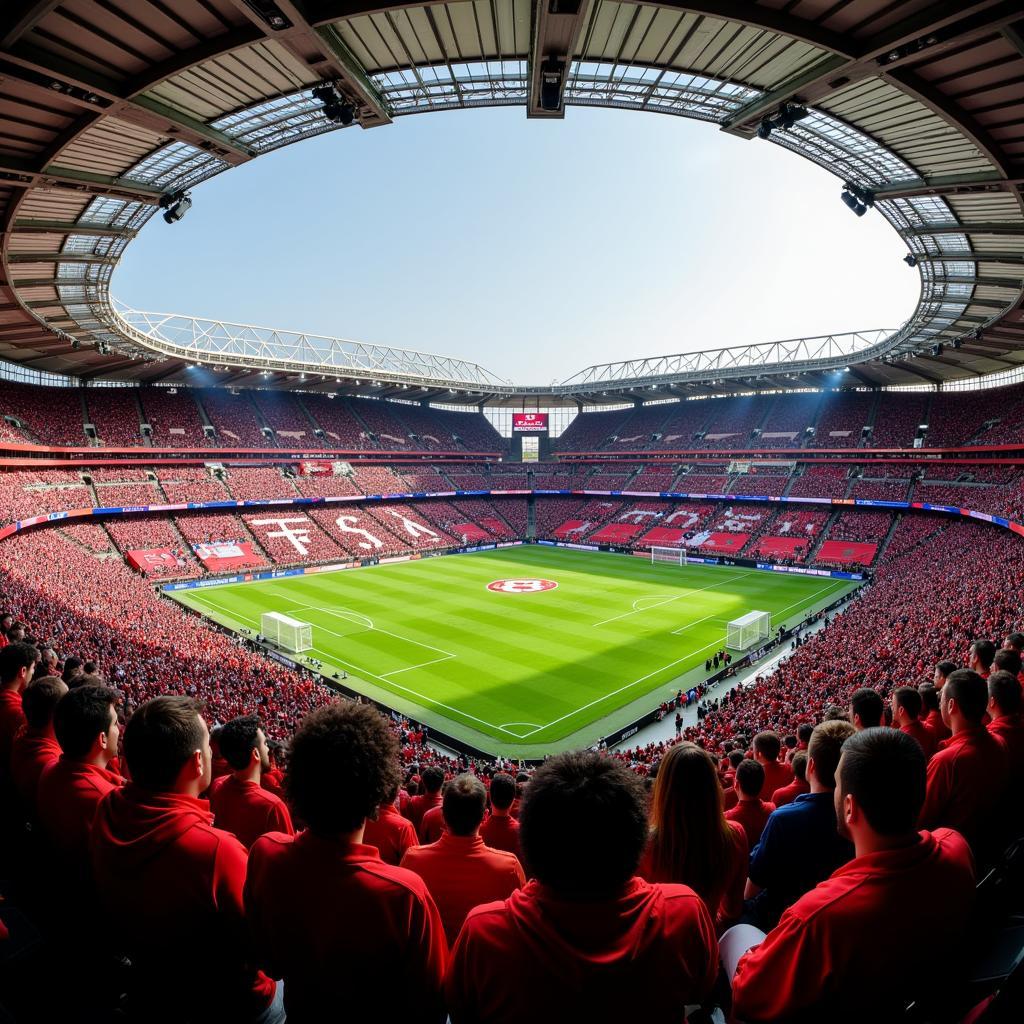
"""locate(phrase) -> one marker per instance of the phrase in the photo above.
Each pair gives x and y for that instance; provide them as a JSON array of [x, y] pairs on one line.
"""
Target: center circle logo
[[521, 586]]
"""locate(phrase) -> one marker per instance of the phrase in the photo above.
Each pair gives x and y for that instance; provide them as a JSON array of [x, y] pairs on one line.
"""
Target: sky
[[535, 248]]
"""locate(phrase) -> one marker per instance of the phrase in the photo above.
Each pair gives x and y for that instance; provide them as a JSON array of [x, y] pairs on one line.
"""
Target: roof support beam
[[949, 184], [60, 257], [1006, 228], [61, 227], [37, 67], [555, 30], [973, 257], [23, 16], [16, 170]]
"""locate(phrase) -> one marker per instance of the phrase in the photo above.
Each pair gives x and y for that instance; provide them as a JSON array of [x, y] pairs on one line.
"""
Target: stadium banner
[[529, 423], [576, 547], [147, 560], [226, 555]]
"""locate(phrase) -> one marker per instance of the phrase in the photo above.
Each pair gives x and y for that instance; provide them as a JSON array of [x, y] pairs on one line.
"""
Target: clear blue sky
[[533, 247]]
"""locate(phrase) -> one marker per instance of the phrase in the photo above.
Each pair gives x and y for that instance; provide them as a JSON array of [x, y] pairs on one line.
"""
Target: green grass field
[[520, 674]]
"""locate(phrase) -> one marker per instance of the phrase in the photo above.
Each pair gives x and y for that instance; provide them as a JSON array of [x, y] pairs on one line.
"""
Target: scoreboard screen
[[529, 423]]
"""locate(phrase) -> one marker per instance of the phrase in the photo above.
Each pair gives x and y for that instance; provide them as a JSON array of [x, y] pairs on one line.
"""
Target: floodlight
[[910, 259], [178, 210], [852, 202], [764, 129]]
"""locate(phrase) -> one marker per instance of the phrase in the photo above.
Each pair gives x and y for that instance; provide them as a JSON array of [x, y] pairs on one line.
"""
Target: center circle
[[521, 586]]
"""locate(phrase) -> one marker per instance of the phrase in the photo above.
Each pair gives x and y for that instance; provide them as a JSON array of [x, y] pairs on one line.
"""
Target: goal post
[[677, 556], [289, 634], [746, 631]]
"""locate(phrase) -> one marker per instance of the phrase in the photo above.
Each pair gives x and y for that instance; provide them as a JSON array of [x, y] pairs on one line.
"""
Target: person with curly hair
[[326, 913]]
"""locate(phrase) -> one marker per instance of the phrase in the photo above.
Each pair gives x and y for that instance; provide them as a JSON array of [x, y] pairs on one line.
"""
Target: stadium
[[345, 678]]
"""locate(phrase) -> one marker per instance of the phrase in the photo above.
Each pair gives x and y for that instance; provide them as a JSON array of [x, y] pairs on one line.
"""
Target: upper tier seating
[[52, 416], [175, 419], [682, 424], [335, 417], [788, 420], [589, 431], [234, 419], [382, 421], [843, 418], [734, 419], [285, 416], [114, 412], [897, 418]]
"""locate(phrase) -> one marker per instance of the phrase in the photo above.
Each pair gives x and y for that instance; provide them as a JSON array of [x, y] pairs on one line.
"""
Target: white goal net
[[288, 634], [748, 630], [677, 556]]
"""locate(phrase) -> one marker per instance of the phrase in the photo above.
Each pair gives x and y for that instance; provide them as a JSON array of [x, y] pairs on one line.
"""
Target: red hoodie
[[643, 955], [66, 805], [177, 883], [31, 755]]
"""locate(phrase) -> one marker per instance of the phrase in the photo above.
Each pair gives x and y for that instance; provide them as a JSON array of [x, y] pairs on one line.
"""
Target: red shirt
[[12, 719], [753, 816], [837, 947], [966, 780], [501, 832], [776, 775], [642, 955], [172, 877], [66, 800], [1009, 730], [420, 804], [787, 794], [432, 825], [726, 899], [933, 720], [31, 754], [248, 810], [390, 833], [344, 929], [925, 737], [462, 872]]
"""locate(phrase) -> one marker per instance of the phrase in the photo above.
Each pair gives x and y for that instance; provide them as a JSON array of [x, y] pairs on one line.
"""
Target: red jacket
[[12, 719], [390, 833], [642, 955], [753, 816], [926, 737], [933, 720], [66, 800], [432, 826], [966, 781], [1009, 730], [31, 754], [247, 810], [842, 950], [420, 804], [344, 929], [787, 794], [462, 872], [501, 832], [177, 881], [776, 775]]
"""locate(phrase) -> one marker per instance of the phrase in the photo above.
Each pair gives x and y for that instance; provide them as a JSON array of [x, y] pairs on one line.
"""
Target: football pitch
[[469, 646]]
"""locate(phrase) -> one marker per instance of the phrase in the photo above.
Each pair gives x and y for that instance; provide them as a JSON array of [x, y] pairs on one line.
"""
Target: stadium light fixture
[[336, 108], [910, 259], [784, 118], [176, 205]]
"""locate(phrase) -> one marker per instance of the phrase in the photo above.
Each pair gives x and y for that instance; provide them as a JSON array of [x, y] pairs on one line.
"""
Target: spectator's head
[[942, 673], [735, 757], [167, 746], [432, 779], [834, 713], [1014, 642], [72, 669], [749, 779], [583, 825], [243, 745], [767, 746], [929, 698], [789, 741], [16, 633], [6, 621], [17, 666], [342, 767], [803, 734], [866, 708], [39, 701], [823, 754], [85, 724], [964, 699], [881, 784], [464, 804], [1004, 694], [799, 764], [906, 705], [503, 792], [979, 659], [1007, 660]]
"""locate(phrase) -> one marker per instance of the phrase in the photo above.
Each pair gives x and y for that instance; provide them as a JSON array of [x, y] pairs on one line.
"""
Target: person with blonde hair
[[691, 842]]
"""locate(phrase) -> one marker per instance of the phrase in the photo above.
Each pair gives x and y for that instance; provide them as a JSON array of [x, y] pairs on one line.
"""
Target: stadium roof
[[107, 109]]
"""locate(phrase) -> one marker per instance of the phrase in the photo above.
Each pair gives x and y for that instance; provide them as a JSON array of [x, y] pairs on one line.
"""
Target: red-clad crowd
[[143, 750]]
